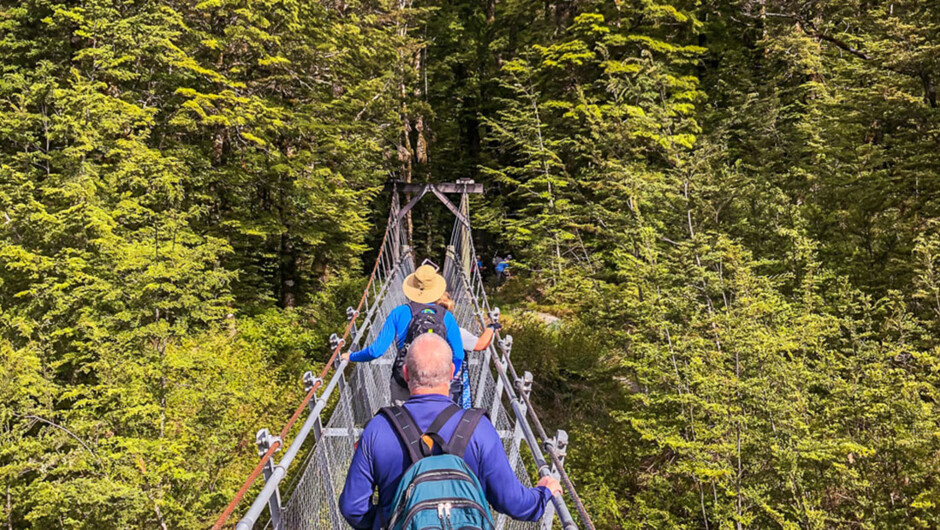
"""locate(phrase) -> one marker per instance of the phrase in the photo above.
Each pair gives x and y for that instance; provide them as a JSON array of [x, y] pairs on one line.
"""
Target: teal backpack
[[438, 491]]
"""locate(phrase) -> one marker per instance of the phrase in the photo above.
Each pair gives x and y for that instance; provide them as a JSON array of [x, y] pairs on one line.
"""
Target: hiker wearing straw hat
[[422, 314]]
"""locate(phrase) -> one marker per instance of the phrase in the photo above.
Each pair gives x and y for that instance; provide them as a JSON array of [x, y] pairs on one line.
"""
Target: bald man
[[381, 459]]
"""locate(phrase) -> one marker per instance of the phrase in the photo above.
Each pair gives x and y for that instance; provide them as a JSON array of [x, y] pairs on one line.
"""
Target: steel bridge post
[[351, 315], [505, 345], [394, 227], [337, 342], [559, 445], [264, 440], [465, 257], [484, 367], [310, 381], [449, 266], [515, 450]]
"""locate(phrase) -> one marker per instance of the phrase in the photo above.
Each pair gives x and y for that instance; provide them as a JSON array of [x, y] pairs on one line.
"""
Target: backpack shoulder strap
[[464, 431], [439, 422], [406, 429]]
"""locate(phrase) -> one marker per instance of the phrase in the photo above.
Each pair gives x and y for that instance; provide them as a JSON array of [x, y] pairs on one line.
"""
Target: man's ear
[[404, 372], [453, 368]]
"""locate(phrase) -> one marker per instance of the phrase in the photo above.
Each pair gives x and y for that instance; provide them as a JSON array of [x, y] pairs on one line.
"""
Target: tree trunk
[[930, 91], [288, 272]]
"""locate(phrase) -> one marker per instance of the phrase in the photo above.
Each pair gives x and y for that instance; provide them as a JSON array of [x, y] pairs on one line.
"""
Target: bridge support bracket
[[559, 446], [336, 342], [264, 441], [310, 381], [524, 384], [505, 345], [494, 316], [351, 315]]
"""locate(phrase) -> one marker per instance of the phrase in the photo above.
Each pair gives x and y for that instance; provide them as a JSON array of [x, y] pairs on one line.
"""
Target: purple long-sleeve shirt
[[380, 460]]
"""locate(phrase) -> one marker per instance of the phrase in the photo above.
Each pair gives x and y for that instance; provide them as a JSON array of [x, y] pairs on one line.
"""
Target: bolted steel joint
[[265, 440], [560, 442], [310, 381], [505, 344], [524, 384], [336, 342], [494, 315], [351, 313]]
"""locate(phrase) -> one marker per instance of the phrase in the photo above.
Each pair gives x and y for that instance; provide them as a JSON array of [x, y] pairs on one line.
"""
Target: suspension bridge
[[354, 394]]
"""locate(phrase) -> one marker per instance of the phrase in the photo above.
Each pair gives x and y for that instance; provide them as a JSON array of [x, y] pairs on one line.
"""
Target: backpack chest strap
[[442, 418]]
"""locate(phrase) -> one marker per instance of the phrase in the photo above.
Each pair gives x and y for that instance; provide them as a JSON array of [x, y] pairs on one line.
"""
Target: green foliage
[[169, 172], [732, 206], [756, 290]]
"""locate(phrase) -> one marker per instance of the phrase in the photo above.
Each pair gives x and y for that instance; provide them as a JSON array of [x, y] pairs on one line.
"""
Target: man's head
[[429, 365]]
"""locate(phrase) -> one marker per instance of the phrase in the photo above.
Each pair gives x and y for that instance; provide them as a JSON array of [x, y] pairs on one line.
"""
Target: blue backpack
[[438, 491], [425, 318]]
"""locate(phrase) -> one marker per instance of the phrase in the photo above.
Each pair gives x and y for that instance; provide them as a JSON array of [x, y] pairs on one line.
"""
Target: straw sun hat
[[424, 285]]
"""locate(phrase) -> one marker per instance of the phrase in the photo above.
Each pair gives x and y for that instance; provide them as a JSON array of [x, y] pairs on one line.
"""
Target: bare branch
[[70, 433], [845, 46]]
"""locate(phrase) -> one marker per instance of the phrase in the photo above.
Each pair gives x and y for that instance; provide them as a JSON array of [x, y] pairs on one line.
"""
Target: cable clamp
[[310, 381], [524, 384], [264, 440]]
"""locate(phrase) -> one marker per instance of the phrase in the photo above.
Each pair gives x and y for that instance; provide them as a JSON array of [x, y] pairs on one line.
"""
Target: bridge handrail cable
[[473, 286], [277, 443], [312, 502]]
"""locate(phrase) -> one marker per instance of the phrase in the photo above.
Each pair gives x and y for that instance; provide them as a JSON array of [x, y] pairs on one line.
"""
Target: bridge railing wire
[[313, 498], [471, 278], [313, 503], [392, 243]]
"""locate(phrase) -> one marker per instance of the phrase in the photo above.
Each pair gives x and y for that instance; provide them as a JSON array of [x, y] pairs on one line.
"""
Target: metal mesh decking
[[312, 502]]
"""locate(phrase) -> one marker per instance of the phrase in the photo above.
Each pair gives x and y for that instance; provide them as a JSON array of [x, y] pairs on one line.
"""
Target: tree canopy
[[734, 206]]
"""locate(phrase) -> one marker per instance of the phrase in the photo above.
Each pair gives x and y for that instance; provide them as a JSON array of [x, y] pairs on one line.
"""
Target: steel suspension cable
[[277, 443], [546, 442], [550, 449], [372, 298]]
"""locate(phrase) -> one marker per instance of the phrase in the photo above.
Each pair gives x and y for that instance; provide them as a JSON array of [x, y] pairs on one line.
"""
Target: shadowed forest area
[[732, 205]]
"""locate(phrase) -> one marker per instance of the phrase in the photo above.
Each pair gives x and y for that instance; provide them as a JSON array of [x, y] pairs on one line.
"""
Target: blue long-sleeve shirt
[[396, 327], [380, 460]]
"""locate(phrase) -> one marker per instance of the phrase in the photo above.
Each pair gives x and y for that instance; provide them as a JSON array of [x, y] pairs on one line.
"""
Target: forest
[[732, 206]]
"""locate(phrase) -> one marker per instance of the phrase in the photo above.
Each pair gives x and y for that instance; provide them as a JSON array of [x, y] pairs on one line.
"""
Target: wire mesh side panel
[[313, 502], [465, 285]]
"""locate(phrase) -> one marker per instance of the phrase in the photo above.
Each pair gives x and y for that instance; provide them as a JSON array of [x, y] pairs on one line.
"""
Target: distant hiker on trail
[[433, 464], [422, 315], [502, 269], [478, 265]]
